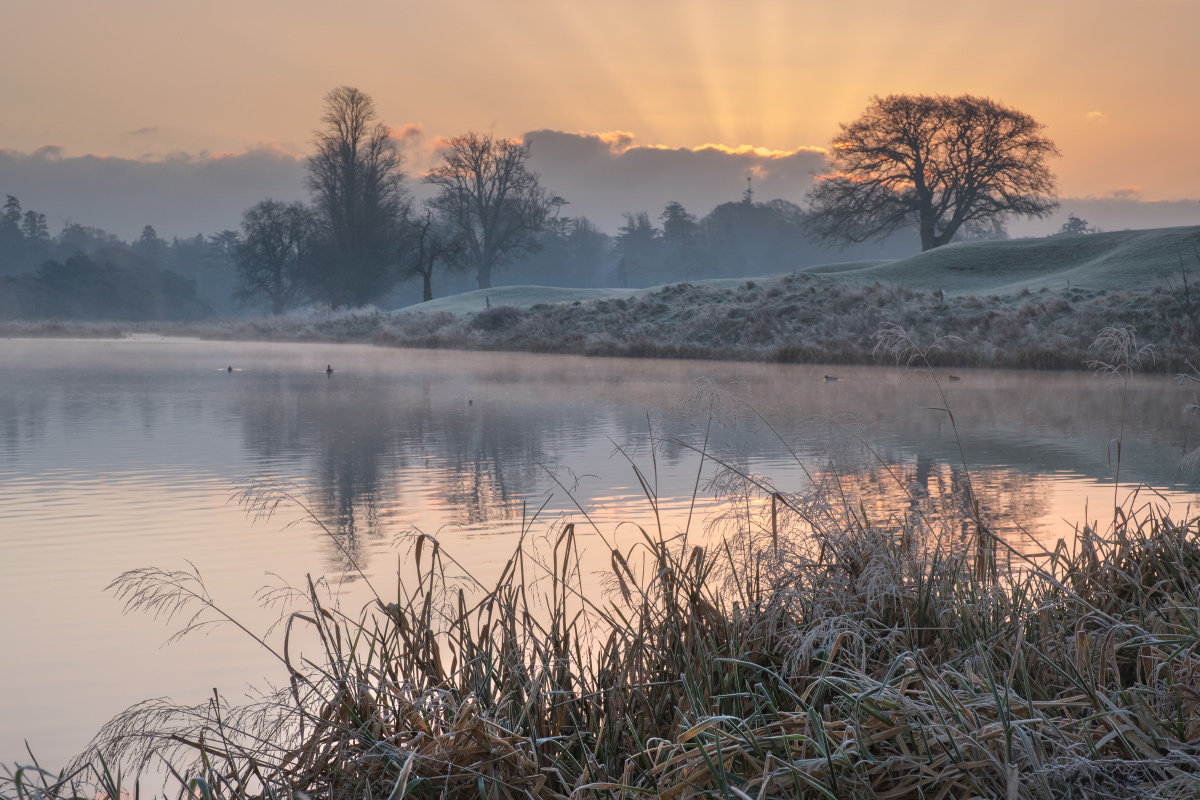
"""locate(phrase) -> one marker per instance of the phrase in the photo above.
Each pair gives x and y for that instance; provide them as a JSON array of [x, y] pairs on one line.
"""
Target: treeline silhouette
[[86, 273]]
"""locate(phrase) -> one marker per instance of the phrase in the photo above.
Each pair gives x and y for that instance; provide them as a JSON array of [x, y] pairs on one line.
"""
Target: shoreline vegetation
[[801, 646], [809, 651], [1032, 304]]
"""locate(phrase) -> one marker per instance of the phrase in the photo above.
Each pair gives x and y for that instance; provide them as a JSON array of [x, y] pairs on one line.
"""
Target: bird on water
[[328, 370], [830, 378]]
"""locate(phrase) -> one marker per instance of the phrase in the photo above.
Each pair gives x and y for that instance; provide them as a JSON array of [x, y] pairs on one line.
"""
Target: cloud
[[406, 134], [143, 131], [617, 141], [1128, 193], [605, 174], [48, 152], [1095, 116], [180, 195], [600, 174]]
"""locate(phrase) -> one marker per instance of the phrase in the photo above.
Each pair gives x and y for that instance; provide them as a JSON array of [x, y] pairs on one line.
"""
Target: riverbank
[[1032, 304], [806, 643], [816, 653], [796, 318]]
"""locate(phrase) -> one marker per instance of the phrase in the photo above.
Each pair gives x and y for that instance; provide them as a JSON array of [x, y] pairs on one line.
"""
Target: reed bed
[[794, 318], [801, 648], [861, 659]]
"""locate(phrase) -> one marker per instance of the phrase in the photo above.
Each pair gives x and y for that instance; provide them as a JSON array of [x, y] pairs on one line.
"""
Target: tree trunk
[[428, 286], [484, 276]]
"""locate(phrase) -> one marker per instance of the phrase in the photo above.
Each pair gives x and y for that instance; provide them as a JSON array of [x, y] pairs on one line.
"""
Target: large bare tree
[[430, 246], [488, 195], [357, 180], [273, 252], [936, 163]]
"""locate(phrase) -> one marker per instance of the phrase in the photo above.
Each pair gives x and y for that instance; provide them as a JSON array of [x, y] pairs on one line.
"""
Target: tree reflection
[[461, 439], [367, 436]]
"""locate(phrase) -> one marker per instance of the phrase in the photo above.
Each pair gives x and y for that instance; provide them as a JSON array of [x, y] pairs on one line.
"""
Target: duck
[[229, 368], [955, 378], [328, 369], [830, 378]]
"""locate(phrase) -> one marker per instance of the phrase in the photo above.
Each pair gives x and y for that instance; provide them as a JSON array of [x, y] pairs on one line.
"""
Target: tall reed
[[804, 649]]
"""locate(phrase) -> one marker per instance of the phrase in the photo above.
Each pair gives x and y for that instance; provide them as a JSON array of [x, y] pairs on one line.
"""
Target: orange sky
[[1114, 81]]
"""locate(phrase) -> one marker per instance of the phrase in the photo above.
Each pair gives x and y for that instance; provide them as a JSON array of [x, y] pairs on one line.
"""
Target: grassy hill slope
[[1006, 304], [1102, 261]]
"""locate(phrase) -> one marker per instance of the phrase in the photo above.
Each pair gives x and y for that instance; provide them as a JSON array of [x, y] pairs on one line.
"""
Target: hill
[[1035, 303], [1103, 262]]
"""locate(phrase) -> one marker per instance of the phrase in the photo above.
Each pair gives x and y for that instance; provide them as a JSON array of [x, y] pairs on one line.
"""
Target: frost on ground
[[1026, 303]]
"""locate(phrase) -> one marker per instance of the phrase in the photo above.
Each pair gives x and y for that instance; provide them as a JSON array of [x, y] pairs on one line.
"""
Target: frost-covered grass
[[1108, 262], [809, 648], [1028, 303], [804, 318], [804, 645]]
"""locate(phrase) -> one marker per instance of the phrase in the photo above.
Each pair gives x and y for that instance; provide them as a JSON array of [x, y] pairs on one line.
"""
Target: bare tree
[[357, 182], [491, 199], [934, 162], [271, 258], [430, 246]]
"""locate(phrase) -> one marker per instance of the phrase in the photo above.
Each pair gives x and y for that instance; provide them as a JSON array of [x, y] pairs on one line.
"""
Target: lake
[[123, 454]]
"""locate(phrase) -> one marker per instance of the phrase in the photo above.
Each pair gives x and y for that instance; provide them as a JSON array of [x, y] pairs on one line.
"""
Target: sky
[[127, 112]]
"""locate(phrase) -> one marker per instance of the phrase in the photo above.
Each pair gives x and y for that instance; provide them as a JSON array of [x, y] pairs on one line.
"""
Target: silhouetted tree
[[488, 195], [571, 251], [10, 216], [934, 162], [115, 284], [680, 235], [589, 250], [76, 238], [272, 255], [225, 244], [749, 238], [431, 246], [210, 264], [12, 241], [357, 182], [1074, 226], [639, 249], [149, 246], [34, 228]]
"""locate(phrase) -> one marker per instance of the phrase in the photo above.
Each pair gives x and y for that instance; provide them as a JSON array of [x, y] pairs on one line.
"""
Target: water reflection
[[122, 454]]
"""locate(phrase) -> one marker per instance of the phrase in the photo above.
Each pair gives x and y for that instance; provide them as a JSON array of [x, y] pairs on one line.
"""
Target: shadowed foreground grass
[[800, 317], [811, 652], [801, 649]]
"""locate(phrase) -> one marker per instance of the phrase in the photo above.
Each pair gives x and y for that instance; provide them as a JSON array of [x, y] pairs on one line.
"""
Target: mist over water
[[121, 454]]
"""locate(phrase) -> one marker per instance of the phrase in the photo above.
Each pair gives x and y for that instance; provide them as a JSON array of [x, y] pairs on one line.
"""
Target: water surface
[[122, 454]]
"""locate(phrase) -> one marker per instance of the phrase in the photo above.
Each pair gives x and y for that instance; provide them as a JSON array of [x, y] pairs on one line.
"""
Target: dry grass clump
[[806, 649], [822, 655], [799, 317]]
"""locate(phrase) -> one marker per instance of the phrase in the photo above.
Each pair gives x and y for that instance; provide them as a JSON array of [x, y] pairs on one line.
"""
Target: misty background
[[91, 237]]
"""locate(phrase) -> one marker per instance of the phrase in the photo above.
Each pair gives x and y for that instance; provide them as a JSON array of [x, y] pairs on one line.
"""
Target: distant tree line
[[361, 233], [736, 239], [87, 273], [939, 168]]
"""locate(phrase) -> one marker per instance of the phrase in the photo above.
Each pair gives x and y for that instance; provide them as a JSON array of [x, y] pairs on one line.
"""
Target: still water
[[123, 454]]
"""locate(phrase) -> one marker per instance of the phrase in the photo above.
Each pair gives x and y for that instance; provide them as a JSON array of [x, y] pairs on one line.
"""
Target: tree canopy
[[936, 163], [271, 257], [488, 195], [357, 182]]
